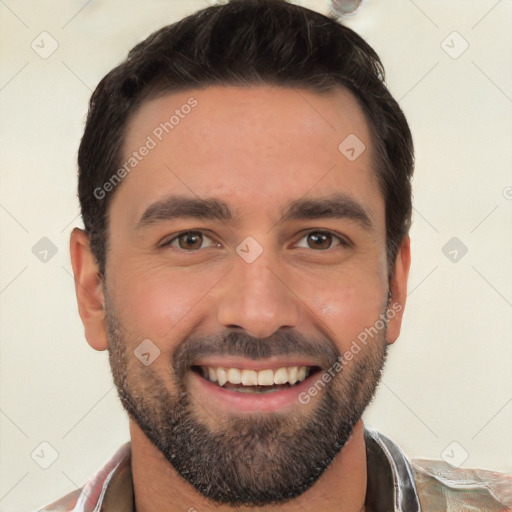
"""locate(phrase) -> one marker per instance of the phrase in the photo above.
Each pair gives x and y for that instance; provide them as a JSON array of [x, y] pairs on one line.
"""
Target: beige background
[[448, 377]]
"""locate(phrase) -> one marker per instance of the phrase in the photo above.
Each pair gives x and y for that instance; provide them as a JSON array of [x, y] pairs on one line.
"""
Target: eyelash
[[343, 241], [177, 236]]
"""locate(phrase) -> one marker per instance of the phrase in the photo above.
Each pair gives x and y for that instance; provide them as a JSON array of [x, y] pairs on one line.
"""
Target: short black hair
[[246, 43]]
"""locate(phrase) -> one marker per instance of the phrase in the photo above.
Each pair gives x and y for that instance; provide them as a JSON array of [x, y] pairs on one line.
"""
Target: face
[[247, 258]]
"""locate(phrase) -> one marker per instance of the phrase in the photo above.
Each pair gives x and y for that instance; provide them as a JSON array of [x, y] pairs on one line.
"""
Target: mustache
[[241, 344]]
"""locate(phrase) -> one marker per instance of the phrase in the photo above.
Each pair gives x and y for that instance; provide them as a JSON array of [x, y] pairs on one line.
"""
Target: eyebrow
[[336, 206], [174, 207]]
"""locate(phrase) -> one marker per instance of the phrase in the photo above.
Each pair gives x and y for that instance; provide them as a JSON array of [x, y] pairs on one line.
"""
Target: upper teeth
[[291, 375]]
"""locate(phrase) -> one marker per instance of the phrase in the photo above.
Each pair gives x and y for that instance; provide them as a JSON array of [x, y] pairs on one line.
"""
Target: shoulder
[[442, 487], [111, 483], [430, 485]]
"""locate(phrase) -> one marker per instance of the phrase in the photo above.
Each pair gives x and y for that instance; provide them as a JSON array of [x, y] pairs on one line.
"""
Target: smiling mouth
[[255, 381]]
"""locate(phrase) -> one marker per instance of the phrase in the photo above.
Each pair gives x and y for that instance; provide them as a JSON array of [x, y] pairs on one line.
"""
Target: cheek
[[347, 308], [154, 301]]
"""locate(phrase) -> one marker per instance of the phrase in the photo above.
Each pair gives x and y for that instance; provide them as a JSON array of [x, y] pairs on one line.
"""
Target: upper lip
[[257, 365]]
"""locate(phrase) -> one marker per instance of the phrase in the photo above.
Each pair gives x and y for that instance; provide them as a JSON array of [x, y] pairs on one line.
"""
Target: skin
[[257, 149]]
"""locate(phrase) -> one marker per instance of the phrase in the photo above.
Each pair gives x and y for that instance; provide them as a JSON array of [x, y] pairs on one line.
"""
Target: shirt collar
[[390, 481]]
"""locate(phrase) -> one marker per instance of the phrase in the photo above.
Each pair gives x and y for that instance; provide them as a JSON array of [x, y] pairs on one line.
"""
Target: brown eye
[[190, 241], [320, 240]]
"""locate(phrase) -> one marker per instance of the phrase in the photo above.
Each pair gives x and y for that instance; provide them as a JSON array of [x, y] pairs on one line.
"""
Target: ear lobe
[[398, 290], [89, 292]]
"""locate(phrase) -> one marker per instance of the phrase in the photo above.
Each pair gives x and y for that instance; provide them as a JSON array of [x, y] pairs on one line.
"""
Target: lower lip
[[250, 402]]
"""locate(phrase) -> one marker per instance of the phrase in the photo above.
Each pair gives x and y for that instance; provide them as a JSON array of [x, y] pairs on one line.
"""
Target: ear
[[398, 290], [89, 291]]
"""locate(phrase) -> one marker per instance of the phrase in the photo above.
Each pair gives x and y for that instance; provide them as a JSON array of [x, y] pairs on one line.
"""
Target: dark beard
[[250, 460]]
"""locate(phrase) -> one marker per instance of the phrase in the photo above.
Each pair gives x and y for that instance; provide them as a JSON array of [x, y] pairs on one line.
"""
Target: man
[[245, 190]]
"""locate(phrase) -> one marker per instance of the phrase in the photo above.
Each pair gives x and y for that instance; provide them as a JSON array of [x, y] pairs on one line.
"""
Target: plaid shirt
[[394, 484]]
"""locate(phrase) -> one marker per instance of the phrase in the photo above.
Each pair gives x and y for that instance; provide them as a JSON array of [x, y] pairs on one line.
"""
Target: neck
[[159, 488]]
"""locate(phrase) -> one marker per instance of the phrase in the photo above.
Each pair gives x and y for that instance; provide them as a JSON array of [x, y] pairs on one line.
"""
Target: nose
[[256, 297]]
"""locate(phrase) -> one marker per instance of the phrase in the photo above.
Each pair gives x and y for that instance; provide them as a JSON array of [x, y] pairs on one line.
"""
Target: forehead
[[254, 146]]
